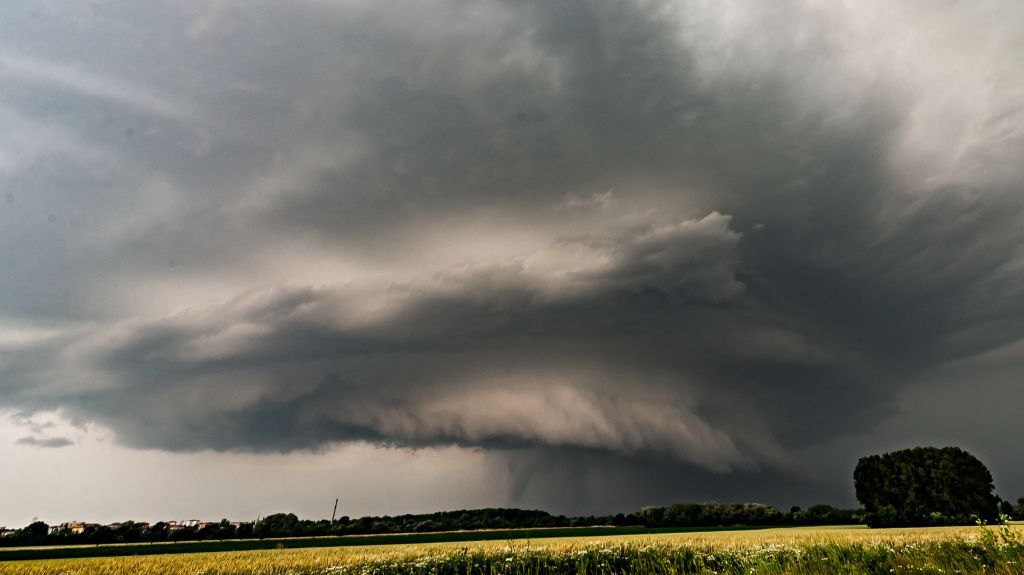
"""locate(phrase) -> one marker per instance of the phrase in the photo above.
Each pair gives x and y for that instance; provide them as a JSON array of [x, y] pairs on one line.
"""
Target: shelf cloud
[[694, 249]]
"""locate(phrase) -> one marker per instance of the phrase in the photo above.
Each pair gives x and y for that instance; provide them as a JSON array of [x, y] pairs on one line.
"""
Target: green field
[[849, 550], [116, 550]]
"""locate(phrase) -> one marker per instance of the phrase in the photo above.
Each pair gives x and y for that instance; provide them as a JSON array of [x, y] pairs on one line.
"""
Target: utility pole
[[335, 512]]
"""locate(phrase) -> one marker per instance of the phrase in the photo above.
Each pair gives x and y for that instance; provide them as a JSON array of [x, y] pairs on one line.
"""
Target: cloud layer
[[690, 239], [45, 442]]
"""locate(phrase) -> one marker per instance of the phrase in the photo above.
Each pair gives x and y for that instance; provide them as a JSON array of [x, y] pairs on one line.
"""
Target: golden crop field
[[785, 550]]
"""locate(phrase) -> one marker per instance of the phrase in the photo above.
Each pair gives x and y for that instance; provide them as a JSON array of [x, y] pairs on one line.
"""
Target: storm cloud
[[690, 249], [45, 442]]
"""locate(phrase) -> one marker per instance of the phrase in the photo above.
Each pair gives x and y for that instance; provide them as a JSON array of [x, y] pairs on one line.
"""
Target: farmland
[[769, 551], [396, 539]]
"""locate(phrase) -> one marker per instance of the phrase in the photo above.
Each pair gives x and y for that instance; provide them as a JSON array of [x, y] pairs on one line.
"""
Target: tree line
[[289, 525]]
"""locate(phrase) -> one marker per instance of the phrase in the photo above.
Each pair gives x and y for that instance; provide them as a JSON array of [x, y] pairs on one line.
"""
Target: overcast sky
[[582, 256]]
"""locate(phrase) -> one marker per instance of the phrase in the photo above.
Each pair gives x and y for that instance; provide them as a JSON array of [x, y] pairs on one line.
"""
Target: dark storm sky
[[602, 254]]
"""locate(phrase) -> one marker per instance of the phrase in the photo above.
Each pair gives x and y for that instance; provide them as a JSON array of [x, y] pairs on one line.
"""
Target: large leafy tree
[[925, 486]]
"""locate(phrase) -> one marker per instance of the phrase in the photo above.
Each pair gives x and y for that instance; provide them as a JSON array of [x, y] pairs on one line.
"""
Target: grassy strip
[[115, 550], [940, 558], [984, 555]]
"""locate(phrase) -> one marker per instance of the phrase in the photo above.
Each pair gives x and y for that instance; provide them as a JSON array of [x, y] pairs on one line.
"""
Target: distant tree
[[244, 530], [127, 532], [156, 532], [924, 486], [183, 534], [276, 525], [102, 534], [32, 534], [828, 515], [208, 532], [225, 530], [1006, 508]]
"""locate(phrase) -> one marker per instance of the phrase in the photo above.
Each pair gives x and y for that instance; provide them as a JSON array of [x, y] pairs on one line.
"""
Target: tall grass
[[984, 550]]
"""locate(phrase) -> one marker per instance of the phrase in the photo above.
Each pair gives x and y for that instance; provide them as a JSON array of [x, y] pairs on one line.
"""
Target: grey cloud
[[565, 480], [602, 235], [45, 442], [699, 254], [83, 83], [24, 420], [290, 371]]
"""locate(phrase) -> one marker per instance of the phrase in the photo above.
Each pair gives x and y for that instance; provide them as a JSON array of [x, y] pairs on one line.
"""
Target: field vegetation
[[63, 551], [850, 550]]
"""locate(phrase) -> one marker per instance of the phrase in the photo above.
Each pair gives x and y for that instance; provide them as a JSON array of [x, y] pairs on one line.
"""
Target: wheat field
[[770, 551]]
